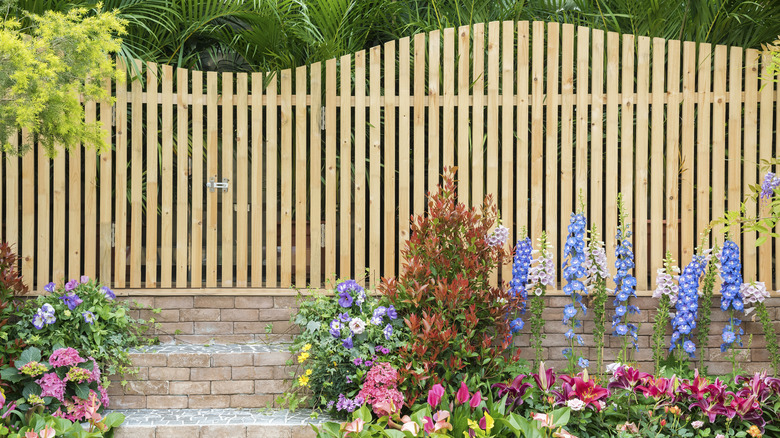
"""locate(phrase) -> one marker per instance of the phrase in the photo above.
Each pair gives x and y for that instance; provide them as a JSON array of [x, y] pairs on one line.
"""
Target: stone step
[[204, 377], [217, 423]]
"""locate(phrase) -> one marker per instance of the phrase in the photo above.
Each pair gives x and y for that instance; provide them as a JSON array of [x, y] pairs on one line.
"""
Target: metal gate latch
[[212, 184]]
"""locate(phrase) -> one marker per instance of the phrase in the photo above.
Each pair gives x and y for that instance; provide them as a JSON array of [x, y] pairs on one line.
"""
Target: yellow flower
[[303, 381], [308, 372], [754, 431], [306, 347], [302, 357]]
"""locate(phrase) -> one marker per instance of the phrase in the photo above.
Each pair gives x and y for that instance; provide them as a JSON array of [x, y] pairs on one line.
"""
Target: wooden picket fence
[[326, 163]]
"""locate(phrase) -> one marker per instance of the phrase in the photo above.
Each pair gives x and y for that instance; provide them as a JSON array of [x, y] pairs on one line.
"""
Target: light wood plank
[[166, 171], [492, 163], [345, 174], [703, 143], [315, 175], [551, 172], [418, 111], [375, 170], [271, 184], [448, 93], [719, 81], [11, 185], [120, 183], [735, 137], [596, 192], [642, 256], [523, 162], [611, 168], [434, 103], [331, 176], [627, 149], [750, 160], [75, 237], [478, 116], [464, 54], [196, 252], [58, 236], [212, 168], [106, 198], [90, 199], [182, 175], [537, 133], [390, 212], [256, 163], [404, 151], [43, 210], [286, 179], [673, 151], [301, 188], [152, 173], [583, 102], [29, 202], [507, 138], [687, 152], [359, 182], [568, 200], [136, 183], [228, 238], [766, 96], [242, 178]]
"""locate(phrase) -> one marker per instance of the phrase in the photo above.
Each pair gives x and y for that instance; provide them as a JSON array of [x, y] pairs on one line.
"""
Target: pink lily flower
[[476, 400], [462, 396], [435, 395], [354, 426]]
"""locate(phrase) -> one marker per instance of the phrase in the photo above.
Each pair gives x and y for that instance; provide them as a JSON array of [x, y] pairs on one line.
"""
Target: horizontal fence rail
[[299, 177]]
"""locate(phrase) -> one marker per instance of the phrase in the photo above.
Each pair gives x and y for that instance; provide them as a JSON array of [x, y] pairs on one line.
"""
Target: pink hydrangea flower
[[52, 386], [95, 376], [65, 357], [380, 389]]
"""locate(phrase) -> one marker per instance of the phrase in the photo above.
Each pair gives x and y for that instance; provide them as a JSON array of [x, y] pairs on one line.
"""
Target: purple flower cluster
[[44, 316], [753, 292], [71, 299], [347, 404], [768, 186], [665, 284], [350, 292], [498, 237], [596, 263], [625, 284], [687, 305], [731, 299], [108, 293], [522, 262], [541, 272]]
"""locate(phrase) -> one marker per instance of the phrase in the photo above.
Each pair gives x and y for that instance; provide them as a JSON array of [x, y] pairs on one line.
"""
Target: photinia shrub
[[11, 287], [457, 322]]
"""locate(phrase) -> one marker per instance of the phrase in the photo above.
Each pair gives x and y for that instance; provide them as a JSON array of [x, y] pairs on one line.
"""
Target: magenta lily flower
[[475, 400], [545, 379], [514, 391], [463, 395], [628, 378], [710, 408], [435, 395]]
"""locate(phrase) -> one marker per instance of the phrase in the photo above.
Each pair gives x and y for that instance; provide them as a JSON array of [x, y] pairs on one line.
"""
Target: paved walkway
[[207, 417]]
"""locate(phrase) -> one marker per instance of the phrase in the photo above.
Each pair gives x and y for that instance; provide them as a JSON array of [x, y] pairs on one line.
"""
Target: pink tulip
[[476, 400], [435, 395], [463, 394]]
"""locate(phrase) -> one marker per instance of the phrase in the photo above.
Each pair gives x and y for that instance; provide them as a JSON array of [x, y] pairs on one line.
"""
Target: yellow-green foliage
[[43, 72], [774, 66]]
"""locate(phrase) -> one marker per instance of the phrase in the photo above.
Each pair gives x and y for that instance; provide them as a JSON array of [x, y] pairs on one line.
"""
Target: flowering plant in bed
[[343, 337], [83, 315]]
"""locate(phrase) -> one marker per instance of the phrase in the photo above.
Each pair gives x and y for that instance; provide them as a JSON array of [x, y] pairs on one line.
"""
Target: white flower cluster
[[542, 272], [498, 237], [595, 263], [666, 285], [754, 292]]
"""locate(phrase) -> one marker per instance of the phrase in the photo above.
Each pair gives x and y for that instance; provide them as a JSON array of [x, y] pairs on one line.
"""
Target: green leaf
[[561, 417], [30, 354], [11, 375], [31, 388], [82, 391], [113, 419]]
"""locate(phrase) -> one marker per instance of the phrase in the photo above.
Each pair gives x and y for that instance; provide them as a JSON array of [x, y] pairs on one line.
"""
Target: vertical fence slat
[[656, 157], [29, 202], [242, 178], [507, 136], [611, 183], [212, 163], [182, 175], [434, 65], [750, 158], [285, 181], [642, 163], [300, 177], [345, 167], [256, 207], [418, 107], [551, 142], [44, 252], [136, 172], [448, 92], [152, 169], [703, 144], [464, 44], [271, 194], [583, 78], [719, 134], [735, 136], [331, 87], [196, 254], [315, 176], [404, 206], [90, 198], [478, 115], [765, 153], [567, 200], [120, 181], [687, 146], [12, 182], [227, 172], [360, 166], [627, 149], [521, 169], [105, 261], [75, 210], [58, 236], [596, 134], [492, 163], [673, 151], [537, 140], [375, 188], [390, 162], [166, 207]]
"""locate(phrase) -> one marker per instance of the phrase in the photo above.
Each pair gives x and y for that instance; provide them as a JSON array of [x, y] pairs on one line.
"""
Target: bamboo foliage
[[300, 177]]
